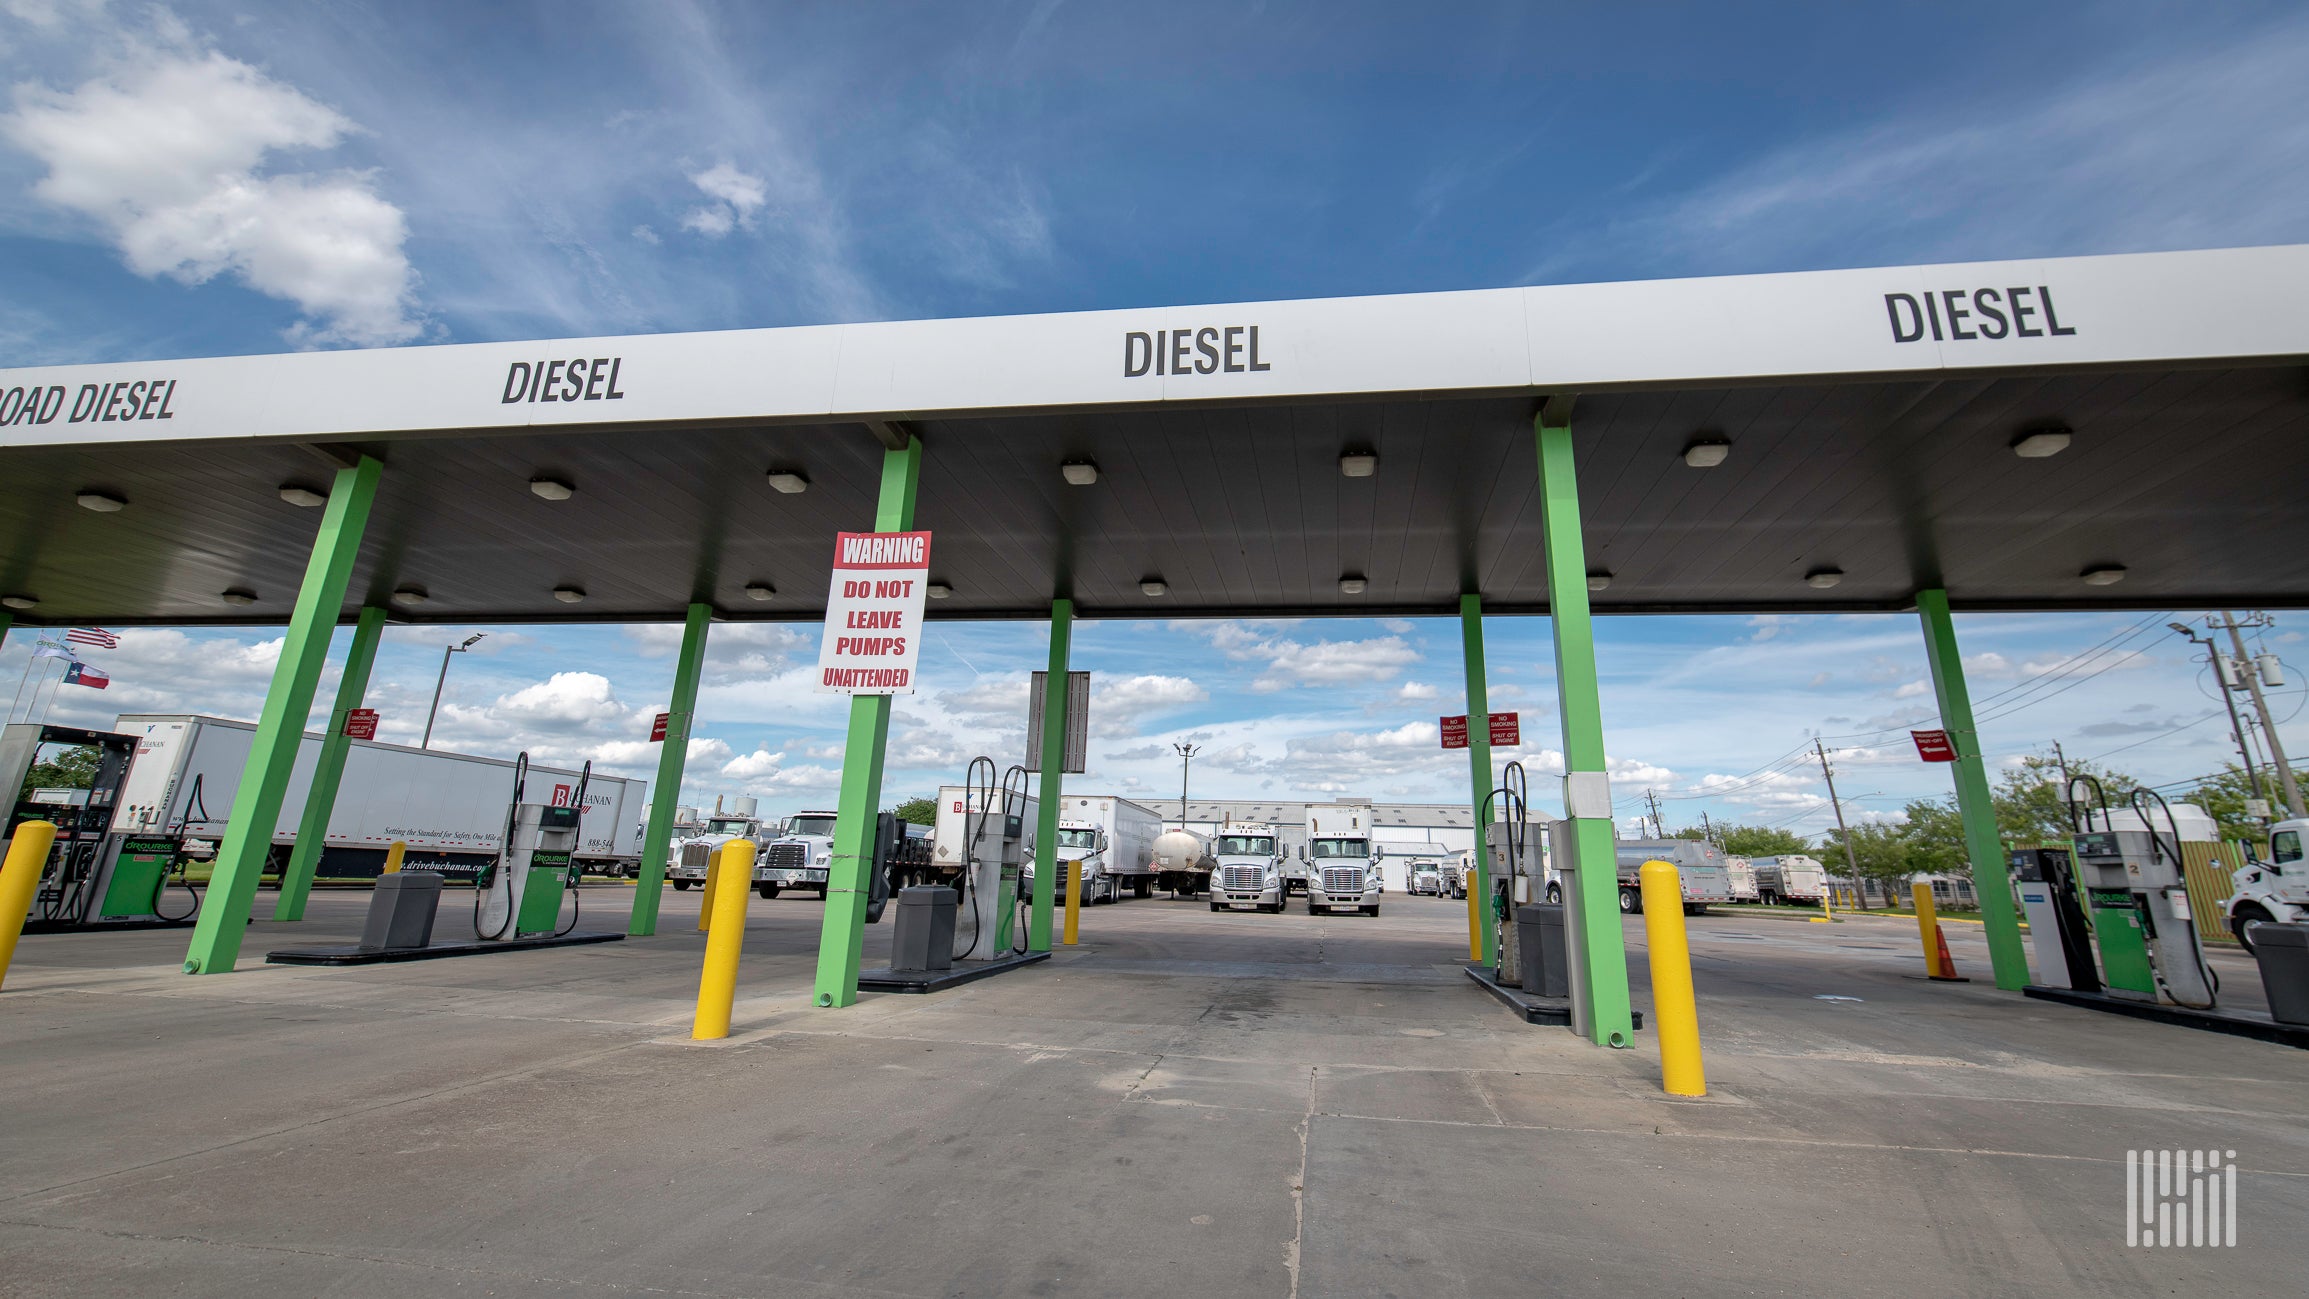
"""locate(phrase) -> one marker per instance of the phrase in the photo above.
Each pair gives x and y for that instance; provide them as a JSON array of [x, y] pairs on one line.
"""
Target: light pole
[[442, 680], [1186, 754]]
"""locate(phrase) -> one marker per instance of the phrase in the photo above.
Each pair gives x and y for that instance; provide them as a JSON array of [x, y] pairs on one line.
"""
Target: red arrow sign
[[1933, 746], [657, 727]]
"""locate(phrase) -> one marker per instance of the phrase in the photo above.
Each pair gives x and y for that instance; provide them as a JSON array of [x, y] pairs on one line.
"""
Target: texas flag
[[83, 674]]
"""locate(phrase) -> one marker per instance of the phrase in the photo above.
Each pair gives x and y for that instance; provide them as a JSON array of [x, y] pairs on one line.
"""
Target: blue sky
[[197, 179]]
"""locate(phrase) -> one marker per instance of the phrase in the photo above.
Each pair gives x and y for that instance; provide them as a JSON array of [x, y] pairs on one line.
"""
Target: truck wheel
[[1554, 894], [681, 886], [1371, 910], [1631, 902], [767, 891], [2246, 914]]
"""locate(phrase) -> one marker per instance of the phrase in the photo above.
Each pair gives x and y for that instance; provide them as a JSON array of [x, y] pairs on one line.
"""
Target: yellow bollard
[[1929, 928], [393, 857], [1675, 1013], [19, 880], [1073, 903], [1474, 918], [713, 877], [718, 985]]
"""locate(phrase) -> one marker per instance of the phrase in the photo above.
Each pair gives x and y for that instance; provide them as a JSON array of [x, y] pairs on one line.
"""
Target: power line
[[2158, 736]]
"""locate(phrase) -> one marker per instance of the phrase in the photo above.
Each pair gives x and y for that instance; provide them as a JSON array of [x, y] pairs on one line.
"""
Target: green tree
[[919, 810], [2223, 798], [2031, 800], [1758, 841], [1934, 837], [74, 768]]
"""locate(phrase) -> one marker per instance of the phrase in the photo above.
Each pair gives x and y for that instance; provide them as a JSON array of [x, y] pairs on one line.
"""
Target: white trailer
[[1740, 879], [448, 808], [1699, 865], [1342, 861], [1114, 839], [956, 811], [1792, 878]]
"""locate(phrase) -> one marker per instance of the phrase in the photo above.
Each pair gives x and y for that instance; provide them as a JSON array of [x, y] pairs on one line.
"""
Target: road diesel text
[[1212, 349], [98, 403], [1966, 314], [574, 380]]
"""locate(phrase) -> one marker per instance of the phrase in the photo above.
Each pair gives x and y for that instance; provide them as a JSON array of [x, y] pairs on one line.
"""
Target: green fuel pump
[[107, 868], [2133, 884], [520, 894]]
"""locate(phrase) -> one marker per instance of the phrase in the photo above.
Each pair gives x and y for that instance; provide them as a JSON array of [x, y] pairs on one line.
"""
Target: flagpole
[[28, 666]]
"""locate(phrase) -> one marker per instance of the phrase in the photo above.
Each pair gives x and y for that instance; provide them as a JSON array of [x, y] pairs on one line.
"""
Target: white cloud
[[1397, 626], [178, 153], [1913, 690], [1117, 706], [1291, 664], [756, 765], [566, 701], [1416, 690], [739, 198], [1765, 626]]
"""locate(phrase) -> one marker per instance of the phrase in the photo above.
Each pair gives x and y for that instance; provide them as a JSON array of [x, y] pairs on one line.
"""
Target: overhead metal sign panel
[[1902, 320]]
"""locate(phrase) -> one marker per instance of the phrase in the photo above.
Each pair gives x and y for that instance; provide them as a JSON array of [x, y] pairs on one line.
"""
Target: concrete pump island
[[578, 1036]]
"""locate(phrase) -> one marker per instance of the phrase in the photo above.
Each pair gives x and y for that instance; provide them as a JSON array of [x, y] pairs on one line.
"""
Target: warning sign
[[1933, 746], [360, 723], [874, 613], [657, 727], [1455, 732]]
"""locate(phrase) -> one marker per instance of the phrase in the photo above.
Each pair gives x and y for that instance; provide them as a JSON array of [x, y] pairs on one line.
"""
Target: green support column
[[329, 770], [1478, 758], [1991, 881], [1587, 788], [657, 838], [1053, 787], [861, 798], [256, 810]]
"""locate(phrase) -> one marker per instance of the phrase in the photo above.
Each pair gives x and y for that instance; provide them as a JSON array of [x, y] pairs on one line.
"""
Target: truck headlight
[[821, 859]]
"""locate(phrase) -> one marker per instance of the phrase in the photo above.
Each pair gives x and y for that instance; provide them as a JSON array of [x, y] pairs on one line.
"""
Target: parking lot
[[1188, 1104]]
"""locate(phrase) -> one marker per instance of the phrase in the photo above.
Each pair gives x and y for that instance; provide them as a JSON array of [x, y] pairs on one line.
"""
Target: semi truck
[[1249, 861], [1792, 878], [1700, 865], [1342, 861], [797, 855], [691, 855], [1114, 839], [1415, 867], [447, 808]]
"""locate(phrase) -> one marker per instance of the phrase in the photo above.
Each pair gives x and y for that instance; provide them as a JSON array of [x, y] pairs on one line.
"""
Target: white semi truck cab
[[1249, 870], [798, 857], [691, 855], [1086, 842], [2276, 890], [1342, 860]]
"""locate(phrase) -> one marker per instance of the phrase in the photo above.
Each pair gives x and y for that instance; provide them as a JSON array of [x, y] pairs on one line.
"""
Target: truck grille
[[1342, 879], [694, 856], [1243, 879], [788, 856]]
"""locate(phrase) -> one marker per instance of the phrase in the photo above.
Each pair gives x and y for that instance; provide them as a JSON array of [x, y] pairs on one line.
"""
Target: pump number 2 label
[[874, 608]]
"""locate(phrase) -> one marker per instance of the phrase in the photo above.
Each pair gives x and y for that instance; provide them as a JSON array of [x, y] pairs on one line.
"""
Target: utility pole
[[2251, 671], [1843, 832], [1652, 796], [1707, 827], [2228, 698], [2061, 759], [1186, 754]]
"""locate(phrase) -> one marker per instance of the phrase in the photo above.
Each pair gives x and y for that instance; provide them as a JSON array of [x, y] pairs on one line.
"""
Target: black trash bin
[[923, 937], [1545, 965], [401, 911], [2283, 951]]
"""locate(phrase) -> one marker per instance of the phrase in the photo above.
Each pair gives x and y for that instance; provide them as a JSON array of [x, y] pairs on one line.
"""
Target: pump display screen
[[1246, 845], [817, 827], [1329, 848]]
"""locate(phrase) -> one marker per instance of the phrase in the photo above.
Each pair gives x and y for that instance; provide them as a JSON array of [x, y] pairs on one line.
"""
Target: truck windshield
[[1246, 845], [1324, 848], [1078, 838], [728, 825], [818, 826]]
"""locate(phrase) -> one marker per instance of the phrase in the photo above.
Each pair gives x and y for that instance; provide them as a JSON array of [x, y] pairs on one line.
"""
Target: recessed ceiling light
[[2106, 575], [938, 590], [238, 596], [788, 481], [569, 594], [1706, 453], [1350, 585], [20, 601], [551, 489], [2042, 443], [411, 595], [1153, 586], [303, 497], [1820, 579], [1081, 473], [760, 590], [1598, 580], [101, 502], [1359, 464]]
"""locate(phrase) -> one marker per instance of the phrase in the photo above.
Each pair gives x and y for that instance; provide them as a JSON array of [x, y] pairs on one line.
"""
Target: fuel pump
[[1512, 877], [2139, 900], [105, 869], [2056, 920], [993, 856], [520, 893]]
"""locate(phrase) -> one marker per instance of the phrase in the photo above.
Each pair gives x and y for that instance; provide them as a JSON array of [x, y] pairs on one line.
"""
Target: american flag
[[96, 636]]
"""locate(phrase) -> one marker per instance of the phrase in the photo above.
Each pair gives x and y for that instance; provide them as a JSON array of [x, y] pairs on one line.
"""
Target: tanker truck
[[1183, 862]]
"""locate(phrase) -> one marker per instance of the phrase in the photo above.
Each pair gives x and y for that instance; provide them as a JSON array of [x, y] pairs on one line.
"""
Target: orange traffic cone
[[1945, 966]]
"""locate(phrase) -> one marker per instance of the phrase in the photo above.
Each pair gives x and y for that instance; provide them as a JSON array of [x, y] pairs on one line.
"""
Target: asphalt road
[[1189, 1104]]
